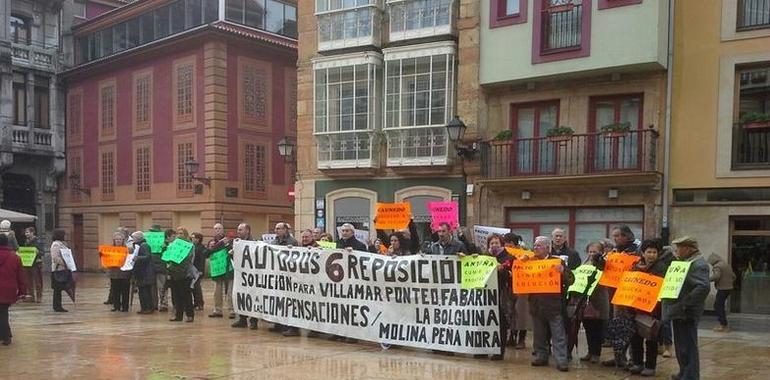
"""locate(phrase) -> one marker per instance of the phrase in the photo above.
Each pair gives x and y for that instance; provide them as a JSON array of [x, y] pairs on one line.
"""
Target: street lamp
[[286, 149], [192, 167], [455, 130], [74, 179]]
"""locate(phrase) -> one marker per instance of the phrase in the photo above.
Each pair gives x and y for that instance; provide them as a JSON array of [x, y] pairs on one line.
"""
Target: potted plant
[[558, 6], [559, 134], [755, 120], [503, 137], [615, 129]]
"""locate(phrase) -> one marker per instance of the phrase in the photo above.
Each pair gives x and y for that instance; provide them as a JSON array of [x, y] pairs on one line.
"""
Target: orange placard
[[536, 276], [519, 253], [617, 263], [393, 216], [638, 290], [112, 256]]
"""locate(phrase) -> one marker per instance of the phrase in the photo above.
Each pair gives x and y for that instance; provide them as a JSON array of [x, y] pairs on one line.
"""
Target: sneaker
[[595, 360], [7, 342], [667, 351], [189, 319], [539, 362], [586, 358], [636, 369], [239, 324], [648, 372], [254, 326], [291, 331], [215, 315], [562, 367], [608, 363]]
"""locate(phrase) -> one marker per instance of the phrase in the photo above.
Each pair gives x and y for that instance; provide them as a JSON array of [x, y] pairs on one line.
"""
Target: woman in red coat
[[11, 286]]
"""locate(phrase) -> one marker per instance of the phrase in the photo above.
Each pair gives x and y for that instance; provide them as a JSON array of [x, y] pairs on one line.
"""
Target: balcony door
[[616, 152], [532, 153]]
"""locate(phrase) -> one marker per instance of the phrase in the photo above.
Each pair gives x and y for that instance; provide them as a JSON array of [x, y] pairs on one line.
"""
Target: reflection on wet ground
[[90, 342]]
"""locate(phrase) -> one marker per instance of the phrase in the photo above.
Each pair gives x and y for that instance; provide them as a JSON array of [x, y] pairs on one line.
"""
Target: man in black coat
[[348, 238], [560, 248], [144, 273]]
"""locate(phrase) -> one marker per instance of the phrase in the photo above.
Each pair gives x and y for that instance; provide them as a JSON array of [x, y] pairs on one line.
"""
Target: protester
[[244, 233], [723, 277], [119, 280], [522, 321], [560, 248], [504, 281], [399, 245], [464, 237], [308, 239], [283, 237], [685, 311], [326, 237], [159, 290], [547, 312], [446, 244], [5, 229], [348, 238], [144, 273], [654, 261], [223, 284], [61, 276], [199, 261], [12, 286], [666, 335], [317, 233], [597, 309], [180, 277], [34, 274]]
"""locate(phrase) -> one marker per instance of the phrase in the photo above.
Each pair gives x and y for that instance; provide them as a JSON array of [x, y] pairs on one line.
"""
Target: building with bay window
[[175, 109], [377, 86]]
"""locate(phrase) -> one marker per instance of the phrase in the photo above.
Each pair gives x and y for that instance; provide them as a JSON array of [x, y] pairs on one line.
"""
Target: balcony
[[753, 14], [751, 147], [421, 18], [34, 55], [578, 155], [562, 26], [27, 139], [347, 150]]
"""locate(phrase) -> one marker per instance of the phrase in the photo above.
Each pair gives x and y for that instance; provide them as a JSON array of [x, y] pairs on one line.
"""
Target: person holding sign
[[35, 272], [144, 273], [446, 244], [547, 310], [596, 303], [521, 320], [12, 286], [223, 285], [199, 262], [160, 289], [244, 233], [685, 311], [61, 276], [181, 275], [119, 280]]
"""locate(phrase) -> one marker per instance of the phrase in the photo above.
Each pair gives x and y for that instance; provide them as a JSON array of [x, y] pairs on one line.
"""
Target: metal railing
[[751, 147], [577, 154], [562, 25], [753, 14]]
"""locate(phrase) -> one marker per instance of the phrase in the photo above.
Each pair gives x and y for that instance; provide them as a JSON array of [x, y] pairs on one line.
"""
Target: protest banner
[[616, 265], [113, 257], [393, 216], [638, 290], [155, 240], [327, 244], [268, 238], [443, 212], [476, 271], [130, 259], [582, 275], [536, 276], [361, 235], [27, 255], [177, 251], [69, 260], [481, 233], [413, 301], [675, 276], [219, 263], [519, 253]]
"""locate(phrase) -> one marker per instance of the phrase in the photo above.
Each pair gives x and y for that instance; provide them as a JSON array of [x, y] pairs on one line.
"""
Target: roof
[[258, 34]]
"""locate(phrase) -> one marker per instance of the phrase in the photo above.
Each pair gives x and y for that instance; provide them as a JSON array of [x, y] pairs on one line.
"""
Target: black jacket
[[573, 258], [351, 243], [144, 271], [200, 257]]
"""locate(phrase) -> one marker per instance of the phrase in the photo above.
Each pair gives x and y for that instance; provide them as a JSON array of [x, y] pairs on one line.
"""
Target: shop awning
[[16, 217]]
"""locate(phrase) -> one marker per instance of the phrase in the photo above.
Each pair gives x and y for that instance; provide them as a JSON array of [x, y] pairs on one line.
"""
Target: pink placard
[[443, 212]]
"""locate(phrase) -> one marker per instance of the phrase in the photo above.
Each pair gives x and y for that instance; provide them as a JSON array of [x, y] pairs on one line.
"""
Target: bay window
[[348, 23], [420, 18], [419, 99]]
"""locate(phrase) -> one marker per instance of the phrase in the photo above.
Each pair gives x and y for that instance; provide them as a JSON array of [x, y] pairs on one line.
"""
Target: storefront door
[[750, 259]]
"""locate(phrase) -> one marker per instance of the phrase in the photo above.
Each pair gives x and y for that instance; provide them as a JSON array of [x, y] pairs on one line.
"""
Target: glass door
[[750, 259]]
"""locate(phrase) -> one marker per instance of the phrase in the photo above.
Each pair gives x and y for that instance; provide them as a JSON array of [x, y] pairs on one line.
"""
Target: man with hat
[[685, 311]]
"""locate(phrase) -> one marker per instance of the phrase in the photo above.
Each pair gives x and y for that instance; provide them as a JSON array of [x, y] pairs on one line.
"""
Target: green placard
[[219, 263], [675, 275], [177, 251], [155, 240], [28, 255], [327, 244], [476, 271], [582, 274]]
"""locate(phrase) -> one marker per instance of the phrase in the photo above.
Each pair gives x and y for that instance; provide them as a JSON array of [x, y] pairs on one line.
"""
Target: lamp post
[[456, 131]]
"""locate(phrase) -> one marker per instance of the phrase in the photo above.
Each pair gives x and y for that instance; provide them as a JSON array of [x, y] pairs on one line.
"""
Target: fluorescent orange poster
[[638, 290], [112, 257], [536, 276], [617, 263]]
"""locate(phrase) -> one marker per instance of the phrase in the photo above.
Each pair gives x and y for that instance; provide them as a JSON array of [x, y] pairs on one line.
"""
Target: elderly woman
[[597, 307], [180, 279], [61, 277], [119, 280], [547, 310]]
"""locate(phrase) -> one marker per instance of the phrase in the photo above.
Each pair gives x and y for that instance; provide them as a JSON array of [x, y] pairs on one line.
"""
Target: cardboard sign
[[27, 255], [327, 244], [130, 259], [219, 263], [155, 240], [617, 264], [536, 276], [393, 216], [638, 290], [675, 276], [69, 260], [113, 257], [519, 253], [476, 271], [443, 212], [481, 233], [582, 275], [177, 251]]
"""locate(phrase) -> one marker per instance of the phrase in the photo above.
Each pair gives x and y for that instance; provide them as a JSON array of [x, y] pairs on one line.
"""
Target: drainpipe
[[665, 229]]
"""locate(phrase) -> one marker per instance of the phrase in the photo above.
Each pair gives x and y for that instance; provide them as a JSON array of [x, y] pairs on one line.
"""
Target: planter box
[[757, 125], [559, 138]]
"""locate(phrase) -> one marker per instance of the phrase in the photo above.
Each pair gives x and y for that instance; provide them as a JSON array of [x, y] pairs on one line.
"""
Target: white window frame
[[393, 134], [436, 30], [75, 9], [374, 111], [374, 33]]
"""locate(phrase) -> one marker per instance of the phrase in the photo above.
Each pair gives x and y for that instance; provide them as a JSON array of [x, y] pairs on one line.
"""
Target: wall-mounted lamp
[[456, 130], [192, 168], [74, 179]]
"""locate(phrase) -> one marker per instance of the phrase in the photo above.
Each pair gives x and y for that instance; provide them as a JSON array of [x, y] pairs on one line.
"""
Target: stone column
[[31, 119]]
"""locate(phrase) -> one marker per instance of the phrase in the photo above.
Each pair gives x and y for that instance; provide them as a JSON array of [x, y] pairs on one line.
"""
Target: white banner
[[408, 300], [481, 233], [66, 255]]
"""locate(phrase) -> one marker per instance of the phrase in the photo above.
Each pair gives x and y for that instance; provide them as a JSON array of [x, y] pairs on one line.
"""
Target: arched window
[[20, 30]]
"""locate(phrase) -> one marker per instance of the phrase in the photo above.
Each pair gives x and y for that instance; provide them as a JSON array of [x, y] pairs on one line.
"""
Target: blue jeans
[[719, 306], [686, 344]]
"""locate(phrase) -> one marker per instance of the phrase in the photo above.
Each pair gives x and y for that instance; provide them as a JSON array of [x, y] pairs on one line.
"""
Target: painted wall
[[622, 36]]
